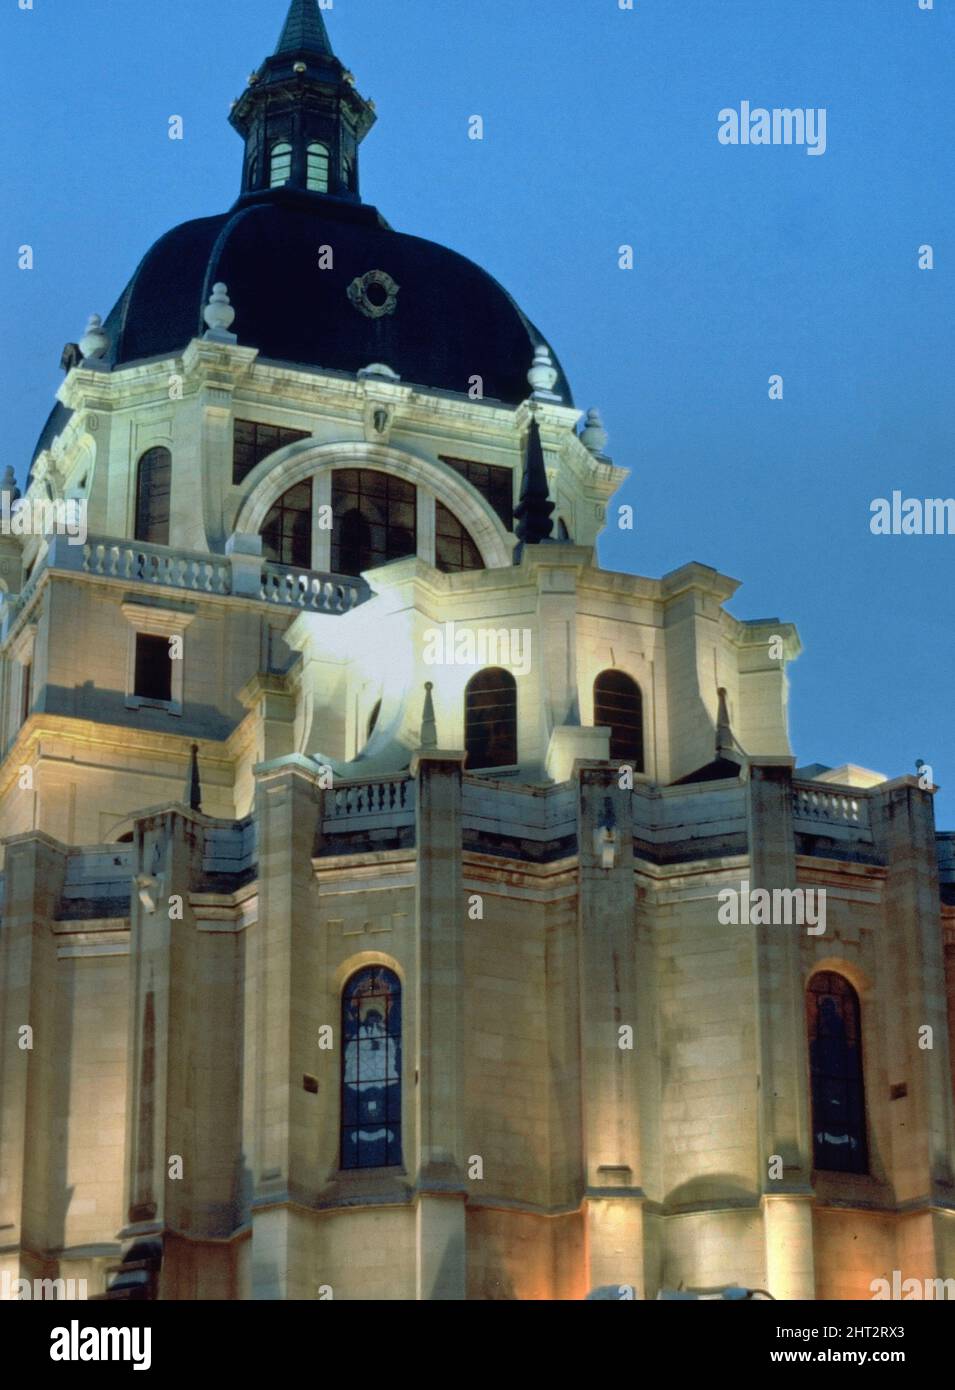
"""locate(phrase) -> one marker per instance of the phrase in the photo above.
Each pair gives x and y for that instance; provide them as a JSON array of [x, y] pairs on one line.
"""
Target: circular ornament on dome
[[374, 294]]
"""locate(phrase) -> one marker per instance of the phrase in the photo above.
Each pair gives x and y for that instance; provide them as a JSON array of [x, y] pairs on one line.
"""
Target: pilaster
[[439, 999]]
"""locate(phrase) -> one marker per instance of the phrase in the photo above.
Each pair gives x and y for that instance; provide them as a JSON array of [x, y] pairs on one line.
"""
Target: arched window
[[490, 719], [371, 1069], [287, 530], [454, 550], [618, 705], [153, 489], [835, 1068], [354, 544], [316, 172], [375, 519], [280, 164]]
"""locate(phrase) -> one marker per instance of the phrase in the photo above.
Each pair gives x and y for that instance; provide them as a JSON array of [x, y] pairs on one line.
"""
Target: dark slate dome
[[452, 321], [302, 120]]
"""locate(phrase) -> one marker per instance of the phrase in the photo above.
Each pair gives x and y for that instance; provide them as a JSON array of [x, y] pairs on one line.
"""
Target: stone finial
[[94, 342], [543, 374], [429, 729], [8, 485], [726, 745], [219, 315], [532, 515], [593, 436]]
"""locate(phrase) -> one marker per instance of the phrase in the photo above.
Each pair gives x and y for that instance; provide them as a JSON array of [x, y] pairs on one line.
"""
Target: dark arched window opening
[[287, 531], [375, 519], [618, 705], [153, 492], [454, 550], [835, 1068], [371, 1069], [490, 719]]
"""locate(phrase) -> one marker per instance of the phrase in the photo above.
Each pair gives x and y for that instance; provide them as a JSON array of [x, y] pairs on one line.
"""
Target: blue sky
[[600, 129]]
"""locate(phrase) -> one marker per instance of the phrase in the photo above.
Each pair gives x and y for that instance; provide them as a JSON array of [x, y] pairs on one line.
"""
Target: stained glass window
[[835, 1065], [618, 706], [371, 1070]]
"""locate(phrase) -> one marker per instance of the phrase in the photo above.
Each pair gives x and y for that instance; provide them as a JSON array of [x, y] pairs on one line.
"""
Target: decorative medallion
[[374, 294]]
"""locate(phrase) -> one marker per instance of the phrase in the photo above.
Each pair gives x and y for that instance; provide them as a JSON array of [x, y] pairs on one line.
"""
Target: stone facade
[[602, 1083]]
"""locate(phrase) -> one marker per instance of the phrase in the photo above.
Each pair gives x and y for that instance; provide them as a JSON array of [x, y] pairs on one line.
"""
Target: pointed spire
[[429, 729], [193, 789], [304, 30], [533, 512]]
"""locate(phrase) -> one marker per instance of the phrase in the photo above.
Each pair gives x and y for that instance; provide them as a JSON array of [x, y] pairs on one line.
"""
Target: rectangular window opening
[[153, 675]]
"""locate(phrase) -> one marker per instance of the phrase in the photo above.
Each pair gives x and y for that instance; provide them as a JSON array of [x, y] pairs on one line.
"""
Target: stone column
[[29, 1062], [609, 1064], [164, 1006], [783, 1123], [438, 992], [554, 658], [912, 961], [269, 697], [287, 1009]]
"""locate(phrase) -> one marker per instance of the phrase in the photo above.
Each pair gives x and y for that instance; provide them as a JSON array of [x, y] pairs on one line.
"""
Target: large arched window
[[618, 705], [354, 552], [835, 1068], [454, 550], [280, 164], [153, 491], [316, 172], [371, 1069], [490, 719], [375, 519], [287, 530]]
